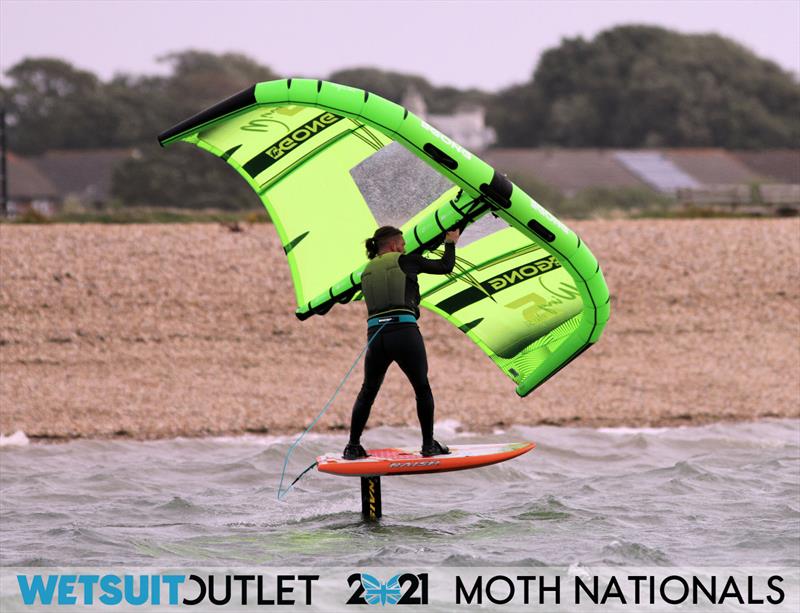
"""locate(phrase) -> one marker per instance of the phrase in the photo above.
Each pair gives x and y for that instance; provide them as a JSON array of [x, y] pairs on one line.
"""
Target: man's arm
[[412, 263]]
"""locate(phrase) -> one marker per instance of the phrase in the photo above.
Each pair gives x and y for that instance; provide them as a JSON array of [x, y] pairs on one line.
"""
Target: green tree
[[199, 79], [394, 85], [390, 85], [518, 116], [141, 106], [51, 104], [181, 177], [642, 86]]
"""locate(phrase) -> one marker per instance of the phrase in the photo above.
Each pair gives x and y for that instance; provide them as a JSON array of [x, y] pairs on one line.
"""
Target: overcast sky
[[483, 44]]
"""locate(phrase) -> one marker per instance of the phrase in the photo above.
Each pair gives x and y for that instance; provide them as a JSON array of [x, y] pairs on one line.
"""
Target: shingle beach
[[152, 331]]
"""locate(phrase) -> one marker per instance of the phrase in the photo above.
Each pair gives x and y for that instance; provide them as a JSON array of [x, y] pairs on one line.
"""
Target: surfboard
[[392, 461]]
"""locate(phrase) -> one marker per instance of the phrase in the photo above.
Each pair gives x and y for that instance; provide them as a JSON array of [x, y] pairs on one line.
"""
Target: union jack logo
[[376, 592]]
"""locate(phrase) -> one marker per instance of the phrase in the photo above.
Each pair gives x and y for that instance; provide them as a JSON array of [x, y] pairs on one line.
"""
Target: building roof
[[569, 170], [712, 166], [572, 170], [84, 174], [26, 181], [779, 165], [656, 169]]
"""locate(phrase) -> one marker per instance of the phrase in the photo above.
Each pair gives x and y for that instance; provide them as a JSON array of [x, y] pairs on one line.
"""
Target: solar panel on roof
[[656, 170]]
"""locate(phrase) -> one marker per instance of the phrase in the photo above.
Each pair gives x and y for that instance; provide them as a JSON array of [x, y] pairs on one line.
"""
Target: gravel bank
[[159, 331]]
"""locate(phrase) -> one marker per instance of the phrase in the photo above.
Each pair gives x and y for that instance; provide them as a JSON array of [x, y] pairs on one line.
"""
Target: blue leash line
[[281, 492]]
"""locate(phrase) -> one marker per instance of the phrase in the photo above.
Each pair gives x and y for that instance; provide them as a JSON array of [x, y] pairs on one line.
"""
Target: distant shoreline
[[149, 331]]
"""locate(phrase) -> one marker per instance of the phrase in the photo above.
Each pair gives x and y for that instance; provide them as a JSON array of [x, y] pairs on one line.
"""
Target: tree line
[[631, 86]]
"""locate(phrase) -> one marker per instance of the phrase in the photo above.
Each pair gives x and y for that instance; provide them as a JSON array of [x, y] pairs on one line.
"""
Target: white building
[[467, 126]]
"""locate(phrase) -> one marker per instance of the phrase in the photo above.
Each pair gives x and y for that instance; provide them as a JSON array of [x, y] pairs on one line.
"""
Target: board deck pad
[[393, 461]]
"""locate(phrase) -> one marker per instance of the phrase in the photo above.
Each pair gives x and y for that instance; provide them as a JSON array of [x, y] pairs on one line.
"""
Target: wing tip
[[243, 99]]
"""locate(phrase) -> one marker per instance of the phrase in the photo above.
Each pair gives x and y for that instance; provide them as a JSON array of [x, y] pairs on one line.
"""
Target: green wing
[[332, 163], [511, 297], [298, 159]]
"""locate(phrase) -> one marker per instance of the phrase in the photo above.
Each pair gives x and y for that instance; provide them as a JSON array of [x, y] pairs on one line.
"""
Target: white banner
[[628, 589]]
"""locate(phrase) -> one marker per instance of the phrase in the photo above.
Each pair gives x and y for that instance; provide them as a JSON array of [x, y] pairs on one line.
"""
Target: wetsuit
[[389, 284]]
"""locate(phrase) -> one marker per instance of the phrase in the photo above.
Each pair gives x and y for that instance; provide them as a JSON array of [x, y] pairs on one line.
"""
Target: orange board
[[409, 461]]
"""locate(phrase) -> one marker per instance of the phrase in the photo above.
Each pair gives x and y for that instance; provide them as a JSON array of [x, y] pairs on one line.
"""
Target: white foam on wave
[[623, 430], [18, 439], [450, 427], [576, 570]]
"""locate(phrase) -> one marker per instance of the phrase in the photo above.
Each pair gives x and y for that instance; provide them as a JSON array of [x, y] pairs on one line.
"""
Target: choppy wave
[[18, 439], [724, 494]]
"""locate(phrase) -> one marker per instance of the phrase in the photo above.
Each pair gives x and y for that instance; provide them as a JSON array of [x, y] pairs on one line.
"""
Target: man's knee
[[422, 388], [369, 391]]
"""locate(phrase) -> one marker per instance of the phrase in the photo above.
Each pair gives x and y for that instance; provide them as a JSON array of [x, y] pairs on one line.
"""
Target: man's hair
[[380, 239]]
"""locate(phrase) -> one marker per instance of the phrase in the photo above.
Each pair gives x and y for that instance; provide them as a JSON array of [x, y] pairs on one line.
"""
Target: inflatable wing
[[332, 163]]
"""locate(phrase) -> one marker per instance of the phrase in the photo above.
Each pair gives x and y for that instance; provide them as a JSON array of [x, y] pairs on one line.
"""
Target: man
[[390, 288]]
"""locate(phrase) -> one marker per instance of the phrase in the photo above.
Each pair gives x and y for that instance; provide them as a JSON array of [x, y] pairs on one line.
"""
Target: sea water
[[723, 495]]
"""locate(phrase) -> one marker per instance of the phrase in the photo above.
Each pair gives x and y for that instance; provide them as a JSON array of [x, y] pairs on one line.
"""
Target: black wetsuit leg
[[413, 361], [402, 344], [376, 362]]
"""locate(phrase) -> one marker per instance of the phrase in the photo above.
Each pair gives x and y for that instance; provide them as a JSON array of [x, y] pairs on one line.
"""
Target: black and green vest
[[383, 283]]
